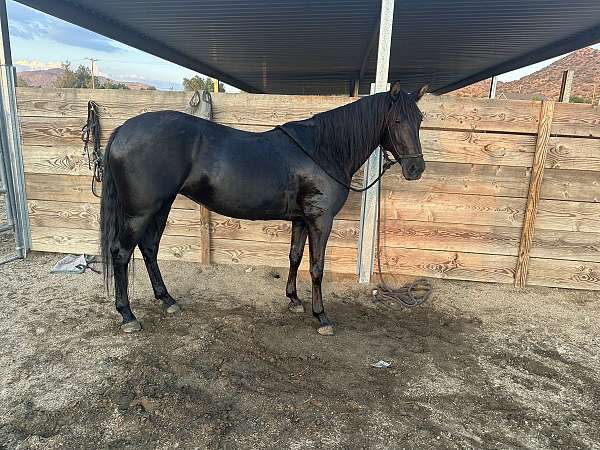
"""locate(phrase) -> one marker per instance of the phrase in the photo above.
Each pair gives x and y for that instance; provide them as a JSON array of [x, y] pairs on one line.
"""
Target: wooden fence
[[462, 220]]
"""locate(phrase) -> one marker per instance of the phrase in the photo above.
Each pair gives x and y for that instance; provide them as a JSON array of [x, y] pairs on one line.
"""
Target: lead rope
[[410, 295], [90, 133]]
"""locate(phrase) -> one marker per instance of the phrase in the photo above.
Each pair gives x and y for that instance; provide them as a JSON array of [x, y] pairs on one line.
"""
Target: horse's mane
[[347, 135]]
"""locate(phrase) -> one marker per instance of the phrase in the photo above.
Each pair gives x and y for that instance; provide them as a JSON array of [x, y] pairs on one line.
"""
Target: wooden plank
[[572, 119], [574, 185], [441, 111], [86, 216], [574, 153], [344, 233], [185, 222], [533, 197], [568, 216], [564, 274], [577, 246], [488, 210], [74, 189], [225, 251], [60, 160], [478, 114], [450, 237], [113, 104], [459, 178], [453, 208], [271, 110], [69, 240], [567, 245], [61, 131], [447, 112], [449, 265], [477, 148]]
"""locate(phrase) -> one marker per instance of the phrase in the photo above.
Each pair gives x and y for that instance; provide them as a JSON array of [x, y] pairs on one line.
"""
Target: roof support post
[[10, 142], [355, 88], [493, 86], [370, 198]]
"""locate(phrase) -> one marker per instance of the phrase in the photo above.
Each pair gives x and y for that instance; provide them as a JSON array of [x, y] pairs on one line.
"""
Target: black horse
[[300, 173]]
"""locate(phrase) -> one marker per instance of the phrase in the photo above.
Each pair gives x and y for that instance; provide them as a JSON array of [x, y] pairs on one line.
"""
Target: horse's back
[[150, 156]]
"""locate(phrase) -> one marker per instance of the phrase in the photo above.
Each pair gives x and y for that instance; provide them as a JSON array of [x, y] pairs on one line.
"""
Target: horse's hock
[[510, 191]]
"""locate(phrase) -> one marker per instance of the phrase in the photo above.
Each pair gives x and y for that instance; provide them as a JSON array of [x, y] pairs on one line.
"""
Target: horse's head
[[401, 131]]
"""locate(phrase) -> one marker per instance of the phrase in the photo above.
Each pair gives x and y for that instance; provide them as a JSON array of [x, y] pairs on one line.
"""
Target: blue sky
[[40, 41]]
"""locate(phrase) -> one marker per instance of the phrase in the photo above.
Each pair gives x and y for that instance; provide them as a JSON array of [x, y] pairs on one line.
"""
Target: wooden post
[[370, 198], [215, 86], [493, 85], [565, 86], [201, 106], [533, 196]]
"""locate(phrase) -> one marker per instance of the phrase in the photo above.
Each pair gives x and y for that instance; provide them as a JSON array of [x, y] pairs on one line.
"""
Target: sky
[[33, 33]]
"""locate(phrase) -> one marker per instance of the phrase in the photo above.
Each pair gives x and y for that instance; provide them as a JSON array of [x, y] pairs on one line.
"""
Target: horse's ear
[[424, 90], [395, 90]]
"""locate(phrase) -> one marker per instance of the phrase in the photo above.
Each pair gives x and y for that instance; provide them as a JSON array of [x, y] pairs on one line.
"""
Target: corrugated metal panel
[[318, 47]]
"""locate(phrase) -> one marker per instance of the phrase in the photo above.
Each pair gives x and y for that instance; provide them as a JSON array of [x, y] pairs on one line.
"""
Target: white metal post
[[493, 86], [370, 198], [10, 140]]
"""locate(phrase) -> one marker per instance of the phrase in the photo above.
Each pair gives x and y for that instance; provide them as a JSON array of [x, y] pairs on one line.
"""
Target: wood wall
[[462, 220]]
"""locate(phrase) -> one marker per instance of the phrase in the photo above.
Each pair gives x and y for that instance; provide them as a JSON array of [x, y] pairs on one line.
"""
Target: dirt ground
[[478, 366], [7, 238]]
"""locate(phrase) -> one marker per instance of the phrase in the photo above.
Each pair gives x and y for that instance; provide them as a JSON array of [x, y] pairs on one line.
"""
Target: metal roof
[[319, 47]]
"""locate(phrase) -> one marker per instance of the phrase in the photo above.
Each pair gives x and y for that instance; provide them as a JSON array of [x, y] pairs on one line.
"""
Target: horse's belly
[[261, 199]]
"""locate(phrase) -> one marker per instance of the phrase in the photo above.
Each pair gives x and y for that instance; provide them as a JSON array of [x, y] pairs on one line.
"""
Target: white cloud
[[37, 65]]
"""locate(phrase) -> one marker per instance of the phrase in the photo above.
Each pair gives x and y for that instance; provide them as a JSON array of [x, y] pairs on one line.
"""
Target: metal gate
[[14, 219]]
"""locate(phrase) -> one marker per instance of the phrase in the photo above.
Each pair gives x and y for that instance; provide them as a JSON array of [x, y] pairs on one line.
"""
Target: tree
[[578, 99], [82, 78], [79, 78], [110, 84], [197, 83], [21, 82]]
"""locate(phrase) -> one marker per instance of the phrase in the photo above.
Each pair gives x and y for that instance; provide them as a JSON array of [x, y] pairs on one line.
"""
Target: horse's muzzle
[[413, 168]]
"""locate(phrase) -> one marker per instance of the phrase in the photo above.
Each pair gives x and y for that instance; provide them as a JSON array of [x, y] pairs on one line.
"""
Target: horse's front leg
[[299, 232], [318, 233]]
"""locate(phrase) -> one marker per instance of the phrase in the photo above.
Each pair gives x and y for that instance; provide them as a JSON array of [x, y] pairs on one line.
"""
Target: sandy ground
[[479, 366]]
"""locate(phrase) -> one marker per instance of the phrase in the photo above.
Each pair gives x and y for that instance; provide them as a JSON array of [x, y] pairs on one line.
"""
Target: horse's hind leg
[[128, 237], [149, 248], [299, 232]]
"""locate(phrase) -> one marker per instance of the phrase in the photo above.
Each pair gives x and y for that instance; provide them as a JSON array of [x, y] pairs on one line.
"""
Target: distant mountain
[[545, 83], [46, 79], [40, 78]]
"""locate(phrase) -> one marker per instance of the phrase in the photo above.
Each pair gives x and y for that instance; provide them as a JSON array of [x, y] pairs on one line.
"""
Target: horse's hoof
[[296, 307], [131, 327], [174, 309], [326, 330]]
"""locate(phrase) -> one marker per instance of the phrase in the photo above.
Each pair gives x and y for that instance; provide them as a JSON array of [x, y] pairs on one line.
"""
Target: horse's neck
[[349, 134]]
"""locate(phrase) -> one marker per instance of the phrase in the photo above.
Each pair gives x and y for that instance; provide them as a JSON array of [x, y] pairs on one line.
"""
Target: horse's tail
[[111, 214]]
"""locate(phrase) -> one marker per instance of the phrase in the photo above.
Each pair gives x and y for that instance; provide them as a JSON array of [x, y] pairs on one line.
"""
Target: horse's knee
[[295, 257], [316, 272]]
